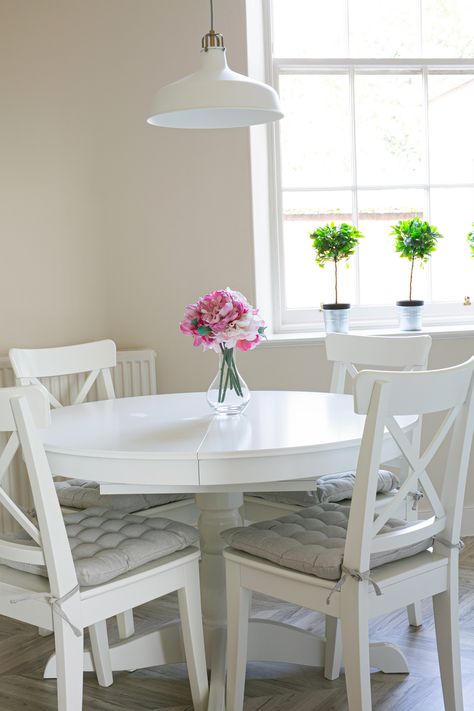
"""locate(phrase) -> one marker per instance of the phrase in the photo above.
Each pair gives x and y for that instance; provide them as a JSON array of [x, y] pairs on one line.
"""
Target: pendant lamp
[[214, 96]]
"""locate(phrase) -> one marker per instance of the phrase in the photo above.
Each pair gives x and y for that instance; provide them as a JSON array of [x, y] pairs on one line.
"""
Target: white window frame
[[286, 320]]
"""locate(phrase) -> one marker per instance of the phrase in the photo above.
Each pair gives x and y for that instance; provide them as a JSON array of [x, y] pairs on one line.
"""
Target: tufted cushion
[[80, 494], [311, 540], [330, 489], [105, 543]]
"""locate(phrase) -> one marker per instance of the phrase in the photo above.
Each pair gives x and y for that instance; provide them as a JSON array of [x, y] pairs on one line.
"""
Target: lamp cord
[[212, 16]]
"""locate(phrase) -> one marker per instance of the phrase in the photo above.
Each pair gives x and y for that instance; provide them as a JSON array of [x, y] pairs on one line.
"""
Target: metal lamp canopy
[[214, 96]]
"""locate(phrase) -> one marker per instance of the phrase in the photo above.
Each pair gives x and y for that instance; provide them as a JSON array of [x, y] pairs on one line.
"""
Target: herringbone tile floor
[[270, 687]]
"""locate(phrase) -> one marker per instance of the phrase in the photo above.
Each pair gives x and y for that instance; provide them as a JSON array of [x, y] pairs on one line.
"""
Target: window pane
[[384, 275], [315, 133], [448, 28], [452, 211], [451, 102], [307, 285], [309, 28], [389, 129], [384, 28]]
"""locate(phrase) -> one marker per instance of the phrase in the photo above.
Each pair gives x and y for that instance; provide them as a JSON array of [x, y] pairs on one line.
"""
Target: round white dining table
[[174, 443]]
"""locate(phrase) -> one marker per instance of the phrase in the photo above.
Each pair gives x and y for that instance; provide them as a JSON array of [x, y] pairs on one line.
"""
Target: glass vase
[[228, 393]]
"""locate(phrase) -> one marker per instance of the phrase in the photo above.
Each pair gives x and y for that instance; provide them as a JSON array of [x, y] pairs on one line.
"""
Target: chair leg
[[414, 611], [415, 614], [189, 600], [44, 632], [238, 610], [355, 642], [69, 658], [333, 654], [446, 615], [125, 624], [100, 653]]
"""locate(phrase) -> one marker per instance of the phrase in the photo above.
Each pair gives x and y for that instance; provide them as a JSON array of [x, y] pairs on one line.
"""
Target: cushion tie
[[56, 603], [416, 496], [447, 544], [356, 575]]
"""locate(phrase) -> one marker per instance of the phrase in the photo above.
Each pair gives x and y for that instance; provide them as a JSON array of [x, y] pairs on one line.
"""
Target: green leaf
[[470, 239]]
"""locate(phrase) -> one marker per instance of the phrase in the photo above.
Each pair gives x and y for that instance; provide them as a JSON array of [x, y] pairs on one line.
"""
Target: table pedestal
[[268, 641]]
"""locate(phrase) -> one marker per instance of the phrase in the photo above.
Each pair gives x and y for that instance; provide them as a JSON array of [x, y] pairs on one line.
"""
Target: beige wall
[[52, 288], [110, 226]]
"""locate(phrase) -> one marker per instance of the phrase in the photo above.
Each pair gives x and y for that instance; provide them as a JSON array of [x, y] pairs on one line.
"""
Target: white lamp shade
[[214, 97]]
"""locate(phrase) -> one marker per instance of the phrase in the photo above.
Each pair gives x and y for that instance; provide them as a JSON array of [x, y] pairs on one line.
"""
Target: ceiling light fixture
[[214, 96]]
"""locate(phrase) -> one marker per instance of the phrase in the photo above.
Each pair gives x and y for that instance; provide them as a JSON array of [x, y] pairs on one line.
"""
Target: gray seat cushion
[[106, 543], [330, 488], [80, 494], [311, 540]]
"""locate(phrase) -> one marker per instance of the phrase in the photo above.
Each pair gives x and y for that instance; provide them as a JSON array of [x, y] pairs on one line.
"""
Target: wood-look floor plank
[[269, 687]]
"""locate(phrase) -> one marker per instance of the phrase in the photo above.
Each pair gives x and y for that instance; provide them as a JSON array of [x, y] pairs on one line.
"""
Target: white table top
[[175, 441]]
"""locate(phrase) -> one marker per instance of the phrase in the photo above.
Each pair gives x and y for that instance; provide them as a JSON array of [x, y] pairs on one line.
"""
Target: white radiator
[[135, 374]]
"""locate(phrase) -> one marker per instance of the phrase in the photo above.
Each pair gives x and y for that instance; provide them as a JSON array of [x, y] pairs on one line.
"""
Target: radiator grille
[[135, 374]]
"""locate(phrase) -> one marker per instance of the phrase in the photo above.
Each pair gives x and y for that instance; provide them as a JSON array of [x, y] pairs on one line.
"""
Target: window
[[378, 100]]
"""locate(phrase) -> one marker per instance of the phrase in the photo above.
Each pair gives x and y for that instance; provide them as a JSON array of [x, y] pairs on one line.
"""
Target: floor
[[270, 687]]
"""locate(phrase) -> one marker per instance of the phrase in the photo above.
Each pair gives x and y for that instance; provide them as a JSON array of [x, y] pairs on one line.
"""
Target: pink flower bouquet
[[221, 321]]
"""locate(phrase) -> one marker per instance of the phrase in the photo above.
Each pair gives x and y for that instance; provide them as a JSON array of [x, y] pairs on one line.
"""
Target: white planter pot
[[410, 315], [336, 317]]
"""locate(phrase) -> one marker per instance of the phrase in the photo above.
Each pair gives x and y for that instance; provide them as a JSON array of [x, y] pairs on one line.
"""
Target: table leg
[[218, 513], [147, 650], [278, 642]]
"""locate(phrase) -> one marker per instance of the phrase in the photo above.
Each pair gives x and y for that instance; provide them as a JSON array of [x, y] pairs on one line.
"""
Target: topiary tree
[[415, 239], [470, 239], [333, 243]]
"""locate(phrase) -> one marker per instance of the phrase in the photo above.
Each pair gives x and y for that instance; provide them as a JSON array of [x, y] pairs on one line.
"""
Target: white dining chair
[[64, 576], [346, 352], [373, 564], [91, 363]]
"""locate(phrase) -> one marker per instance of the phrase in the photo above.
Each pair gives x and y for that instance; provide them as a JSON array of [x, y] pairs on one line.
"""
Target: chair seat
[[81, 494], [311, 540], [107, 543], [330, 488]]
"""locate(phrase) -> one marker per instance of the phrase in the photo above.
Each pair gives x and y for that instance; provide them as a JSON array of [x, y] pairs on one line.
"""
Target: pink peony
[[223, 319]]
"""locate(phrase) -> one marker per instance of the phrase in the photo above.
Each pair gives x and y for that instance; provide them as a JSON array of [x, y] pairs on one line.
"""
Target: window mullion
[[347, 27], [355, 200], [429, 275]]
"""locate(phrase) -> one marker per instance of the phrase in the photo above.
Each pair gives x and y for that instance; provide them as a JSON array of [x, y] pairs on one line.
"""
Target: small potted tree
[[415, 240], [470, 239], [334, 243]]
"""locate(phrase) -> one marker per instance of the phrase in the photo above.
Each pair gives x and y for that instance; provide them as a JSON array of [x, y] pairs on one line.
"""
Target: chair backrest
[[382, 396], [389, 352], [22, 411], [96, 359]]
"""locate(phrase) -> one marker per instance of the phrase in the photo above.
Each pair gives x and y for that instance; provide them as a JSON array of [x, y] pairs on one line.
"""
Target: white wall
[[109, 227]]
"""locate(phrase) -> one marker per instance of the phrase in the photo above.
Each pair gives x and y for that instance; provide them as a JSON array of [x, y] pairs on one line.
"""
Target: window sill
[[275, 340]]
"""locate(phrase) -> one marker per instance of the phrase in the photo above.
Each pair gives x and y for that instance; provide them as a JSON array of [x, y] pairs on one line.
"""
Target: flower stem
[[221, 376], [237, 385], [228, 376], [226, 382]]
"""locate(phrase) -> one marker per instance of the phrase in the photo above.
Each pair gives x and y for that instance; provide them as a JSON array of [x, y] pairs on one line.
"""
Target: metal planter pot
[[410, 315], [336, 317]]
